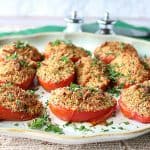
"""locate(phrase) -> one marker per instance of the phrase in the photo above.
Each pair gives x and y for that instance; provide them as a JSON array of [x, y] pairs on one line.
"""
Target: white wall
[[119, 8]]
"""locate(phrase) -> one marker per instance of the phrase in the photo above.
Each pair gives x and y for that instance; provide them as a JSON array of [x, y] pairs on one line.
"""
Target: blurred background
[[44, 12]]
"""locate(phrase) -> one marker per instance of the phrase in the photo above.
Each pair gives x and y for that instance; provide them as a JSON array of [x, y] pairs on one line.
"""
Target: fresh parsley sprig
[[45, 124]]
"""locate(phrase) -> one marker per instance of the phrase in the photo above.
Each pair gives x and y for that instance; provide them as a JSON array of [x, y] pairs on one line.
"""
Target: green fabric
[[92, 28]]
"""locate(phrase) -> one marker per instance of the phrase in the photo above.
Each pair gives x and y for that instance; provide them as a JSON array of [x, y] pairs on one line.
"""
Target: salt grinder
[[105, 25], [73, 23]]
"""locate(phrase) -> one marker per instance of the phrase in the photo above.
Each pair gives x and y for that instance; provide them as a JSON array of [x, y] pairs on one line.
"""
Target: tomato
[[107, 59], [51, 85], [24, 85], [81, 116], [132, 115], [7, 114]]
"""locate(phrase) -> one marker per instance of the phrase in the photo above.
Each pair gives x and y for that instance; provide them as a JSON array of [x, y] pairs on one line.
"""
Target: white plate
[[71, 135]]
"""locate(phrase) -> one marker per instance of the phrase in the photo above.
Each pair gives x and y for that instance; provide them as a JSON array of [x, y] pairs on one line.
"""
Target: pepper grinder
[[105, 25], [73, 23]]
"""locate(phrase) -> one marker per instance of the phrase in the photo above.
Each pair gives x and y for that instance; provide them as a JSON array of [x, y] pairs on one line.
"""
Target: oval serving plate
[[118, 127]]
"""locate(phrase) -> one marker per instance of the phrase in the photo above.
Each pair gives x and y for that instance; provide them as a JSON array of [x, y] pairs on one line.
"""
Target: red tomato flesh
[[51, 86], [8, 115], [132, 115], [76, 116]]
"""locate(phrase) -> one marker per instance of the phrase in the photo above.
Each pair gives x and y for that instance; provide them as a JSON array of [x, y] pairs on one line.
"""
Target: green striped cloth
[[91, 28]]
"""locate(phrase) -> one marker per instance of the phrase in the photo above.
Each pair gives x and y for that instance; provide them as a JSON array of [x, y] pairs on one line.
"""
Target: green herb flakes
[[126, 123], [16, 124], [112, 74], [64, 59], [74, 87], [14, 56], [31, 92], [20, 44], [45, 124], [88, 52], [53, 128], [109, 123]]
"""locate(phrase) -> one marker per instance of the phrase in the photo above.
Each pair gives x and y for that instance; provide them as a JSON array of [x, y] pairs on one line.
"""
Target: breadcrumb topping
[[15, 71], [130, 68], [114, 48], [23, 51], [56, 69], [63, 48], [19, 100], [137, 98], [91, 72], [82, 99]]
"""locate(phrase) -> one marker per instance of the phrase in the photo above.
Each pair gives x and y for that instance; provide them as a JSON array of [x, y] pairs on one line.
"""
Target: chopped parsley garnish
[[94, 61], [39, 123], [58, 42], [146, 66], [82, 128], [105, 130], [38, 64], [88, 52], [67, 124], [10, 96], [121, 128], [46, 103], [31, 92], [20, 44], [112, 74], [74, 87], [122, 45], [64, 59], [92, 89], [12, 57], [18, 102], [23, 63], [53, 128], [16, 124], [109, 123], [113, 127], [45, 124], [115, 90], [7, 84], [126, 123]]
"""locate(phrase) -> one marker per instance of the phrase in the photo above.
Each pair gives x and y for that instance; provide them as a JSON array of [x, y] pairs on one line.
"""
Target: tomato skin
[[107, 59], [8, 115], [132, 115], [24, 85], [52, 86], [76, 116]]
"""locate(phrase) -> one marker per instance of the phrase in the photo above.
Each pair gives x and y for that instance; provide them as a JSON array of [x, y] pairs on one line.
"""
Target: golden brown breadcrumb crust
[[19, 100], [65, 49], [114, 48], [91, 72], [15, 71], [137, 98], [130, 68], [22, 50], [56, 69], [82, 99]]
